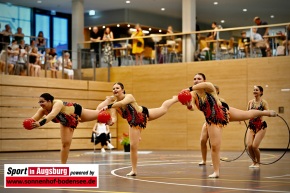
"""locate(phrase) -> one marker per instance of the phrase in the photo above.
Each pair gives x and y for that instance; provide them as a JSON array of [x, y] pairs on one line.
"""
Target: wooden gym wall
[[179, 129], [18, 100]]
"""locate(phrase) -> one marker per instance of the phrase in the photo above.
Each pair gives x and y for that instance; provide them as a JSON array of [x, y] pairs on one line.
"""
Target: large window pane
[[16, 16], [42, 24], [60, 34]]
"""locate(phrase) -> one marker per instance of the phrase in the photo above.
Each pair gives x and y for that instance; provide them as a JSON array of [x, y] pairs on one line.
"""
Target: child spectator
[[101, 134]]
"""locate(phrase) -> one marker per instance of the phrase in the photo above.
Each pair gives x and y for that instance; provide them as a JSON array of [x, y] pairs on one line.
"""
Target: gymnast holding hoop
[[68, 114], [137, 117], [257, 127], [217, 114]]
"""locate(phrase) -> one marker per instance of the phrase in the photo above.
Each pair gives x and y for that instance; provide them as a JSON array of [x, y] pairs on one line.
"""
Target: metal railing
[[159, 49]]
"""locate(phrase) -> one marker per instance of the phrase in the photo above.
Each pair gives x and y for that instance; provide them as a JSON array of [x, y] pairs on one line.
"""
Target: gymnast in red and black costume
[[137, 117], [257, 127], [217, 114], [68, 114]]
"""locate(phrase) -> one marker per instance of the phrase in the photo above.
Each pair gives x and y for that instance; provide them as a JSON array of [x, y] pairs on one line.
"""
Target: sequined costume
[[134, 118], [69, 115], [213, 112], [256, 124]]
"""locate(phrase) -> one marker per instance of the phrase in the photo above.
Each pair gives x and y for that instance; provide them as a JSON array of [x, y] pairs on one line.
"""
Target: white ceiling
[[206, 11]]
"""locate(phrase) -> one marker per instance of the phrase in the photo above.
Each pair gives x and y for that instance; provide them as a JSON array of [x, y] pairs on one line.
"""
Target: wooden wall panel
[[18, 100], [151, 85]]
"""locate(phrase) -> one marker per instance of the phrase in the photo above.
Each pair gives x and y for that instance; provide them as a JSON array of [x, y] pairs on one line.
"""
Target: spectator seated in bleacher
[[67, 64], [34, 66]]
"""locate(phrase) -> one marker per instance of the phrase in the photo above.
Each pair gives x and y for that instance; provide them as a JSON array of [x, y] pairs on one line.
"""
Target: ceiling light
[[215, 3], [160, 30], [128, 1], [222, 21], [92, 12], [118, 25], [244, 10], [272, 16], [104, 27], [90, 28], [39, 1], [162, 9], [128, 25], [133, 30], [150, 29]]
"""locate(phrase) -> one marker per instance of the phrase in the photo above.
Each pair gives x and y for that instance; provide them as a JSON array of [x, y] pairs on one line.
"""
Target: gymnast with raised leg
[[137, 117], [217, 114], [257, 127], [204, 136], [68, 114]]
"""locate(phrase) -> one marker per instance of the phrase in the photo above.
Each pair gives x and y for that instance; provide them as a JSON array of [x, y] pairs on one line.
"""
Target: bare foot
[[251, 166], [254, 166], [214, 175], [131, 174], [202, 163]]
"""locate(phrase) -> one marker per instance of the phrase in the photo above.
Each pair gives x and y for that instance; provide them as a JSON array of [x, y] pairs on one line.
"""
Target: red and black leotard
[[134, 117], [213, 111], [256, 124], [69, 115]]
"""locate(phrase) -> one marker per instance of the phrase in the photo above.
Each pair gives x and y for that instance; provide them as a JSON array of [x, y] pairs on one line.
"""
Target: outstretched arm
[[56, 108], [206, 86], [127, 100], [38, 115]]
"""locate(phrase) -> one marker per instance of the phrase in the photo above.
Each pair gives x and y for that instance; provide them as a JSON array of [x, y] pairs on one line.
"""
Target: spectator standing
[[18, 36], [95, 37], [170, 31], [40, 42], [138, 45], [263, 32], [6, 34], [286, 42], [108, 48]]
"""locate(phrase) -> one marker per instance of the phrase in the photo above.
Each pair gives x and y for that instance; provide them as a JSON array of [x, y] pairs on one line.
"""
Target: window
[[16, 16], [42, 23], [60, 34]]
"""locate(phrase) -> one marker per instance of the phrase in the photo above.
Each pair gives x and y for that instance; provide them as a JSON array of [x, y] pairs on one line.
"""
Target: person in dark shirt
[[94, 37], [263, 32]]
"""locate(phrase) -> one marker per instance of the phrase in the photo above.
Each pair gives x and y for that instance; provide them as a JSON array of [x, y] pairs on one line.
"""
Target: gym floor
[[164, 172]]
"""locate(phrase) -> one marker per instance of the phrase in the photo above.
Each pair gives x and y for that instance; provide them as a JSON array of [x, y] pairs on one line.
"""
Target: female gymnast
[[68, 114], [257, 127], [137, 116], [204, 135], [217, 114]]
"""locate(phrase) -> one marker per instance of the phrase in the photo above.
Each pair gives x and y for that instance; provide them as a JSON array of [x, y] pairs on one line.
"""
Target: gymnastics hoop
[[242, 151], [281, 155]]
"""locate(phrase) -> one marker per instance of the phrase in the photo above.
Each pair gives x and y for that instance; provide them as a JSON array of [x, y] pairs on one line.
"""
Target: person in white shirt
[[66, 62], [101, 134]]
